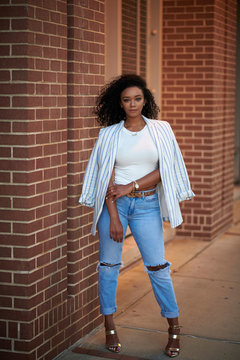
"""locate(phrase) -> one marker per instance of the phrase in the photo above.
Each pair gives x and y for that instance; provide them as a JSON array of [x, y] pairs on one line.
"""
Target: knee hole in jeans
[[157, 267], [109, 265]]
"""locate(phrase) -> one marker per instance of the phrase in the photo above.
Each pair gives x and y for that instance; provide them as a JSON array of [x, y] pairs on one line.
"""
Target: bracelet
[[136, 185], [133, 188]]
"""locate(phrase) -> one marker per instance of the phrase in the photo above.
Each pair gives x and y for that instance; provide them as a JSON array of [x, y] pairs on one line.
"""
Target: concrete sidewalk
[[206, 278]]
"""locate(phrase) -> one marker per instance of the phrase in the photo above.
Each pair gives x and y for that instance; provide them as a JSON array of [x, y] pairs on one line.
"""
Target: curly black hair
[[108, 109]]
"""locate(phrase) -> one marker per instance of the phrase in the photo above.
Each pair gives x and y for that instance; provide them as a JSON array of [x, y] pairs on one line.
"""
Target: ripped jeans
[[143, 217]]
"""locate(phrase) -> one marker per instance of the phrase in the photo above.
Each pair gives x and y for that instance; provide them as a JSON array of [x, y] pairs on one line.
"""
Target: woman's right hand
[[116, 230], [116, 191]]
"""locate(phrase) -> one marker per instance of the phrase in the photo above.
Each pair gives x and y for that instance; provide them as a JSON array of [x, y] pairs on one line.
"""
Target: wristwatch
[[136, 185]]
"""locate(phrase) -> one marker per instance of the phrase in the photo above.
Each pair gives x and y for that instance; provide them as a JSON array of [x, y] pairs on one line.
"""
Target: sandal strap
[[111, 332], [172, 349], [115, 345], [173, 336], [176, 327]]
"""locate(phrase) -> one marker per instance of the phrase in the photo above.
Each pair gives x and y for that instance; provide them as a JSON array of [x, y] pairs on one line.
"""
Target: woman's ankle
[[109, 322], [173, 321], [174, 327]]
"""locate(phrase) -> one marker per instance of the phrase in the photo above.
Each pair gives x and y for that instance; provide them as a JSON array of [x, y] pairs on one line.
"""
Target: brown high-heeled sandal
[[169, 350], [116, 348]]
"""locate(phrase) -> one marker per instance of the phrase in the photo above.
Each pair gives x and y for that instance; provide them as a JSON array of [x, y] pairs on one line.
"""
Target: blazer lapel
[[154, 132]]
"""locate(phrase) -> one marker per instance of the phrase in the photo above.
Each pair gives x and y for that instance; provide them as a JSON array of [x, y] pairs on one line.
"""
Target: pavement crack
[[203, 278], [194, 256], [133, 303], [229, 341], [232, 233]]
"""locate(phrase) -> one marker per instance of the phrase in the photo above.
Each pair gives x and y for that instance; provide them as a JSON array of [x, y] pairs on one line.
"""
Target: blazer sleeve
[[87, 197], [184, 191]]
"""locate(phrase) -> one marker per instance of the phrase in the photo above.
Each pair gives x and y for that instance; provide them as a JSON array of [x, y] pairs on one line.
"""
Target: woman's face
[[132, 101]]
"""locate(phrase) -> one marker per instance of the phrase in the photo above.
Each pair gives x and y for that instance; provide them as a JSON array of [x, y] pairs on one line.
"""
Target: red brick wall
[[85, 78], [51, 68], [198, 100]]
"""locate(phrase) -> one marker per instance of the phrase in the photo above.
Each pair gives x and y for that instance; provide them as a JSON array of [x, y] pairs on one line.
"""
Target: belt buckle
[[140, 194], [149, 193], [135, 194]]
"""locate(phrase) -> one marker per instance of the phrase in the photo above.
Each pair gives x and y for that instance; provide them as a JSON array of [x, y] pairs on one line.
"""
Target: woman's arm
[[150, 180], [116, 229], [147, 182]]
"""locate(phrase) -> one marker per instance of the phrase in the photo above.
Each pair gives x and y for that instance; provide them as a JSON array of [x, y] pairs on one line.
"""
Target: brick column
[[199, 40], [34, 185], [48, 283], [85, 78]]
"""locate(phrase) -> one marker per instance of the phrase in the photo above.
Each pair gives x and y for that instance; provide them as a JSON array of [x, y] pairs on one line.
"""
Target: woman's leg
[[172, 349], [112, 339], [110, 253], [146, 226]]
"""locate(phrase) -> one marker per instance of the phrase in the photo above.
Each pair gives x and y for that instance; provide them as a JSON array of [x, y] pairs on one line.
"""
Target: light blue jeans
[[143, 217]]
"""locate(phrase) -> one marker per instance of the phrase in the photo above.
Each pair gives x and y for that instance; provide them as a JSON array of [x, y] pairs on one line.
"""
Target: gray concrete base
[[149, 344]]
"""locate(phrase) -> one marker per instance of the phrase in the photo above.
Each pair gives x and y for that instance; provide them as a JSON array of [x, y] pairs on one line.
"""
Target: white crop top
[[136, 156]]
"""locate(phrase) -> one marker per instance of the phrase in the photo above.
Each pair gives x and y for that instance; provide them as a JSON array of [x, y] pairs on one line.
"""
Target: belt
[[140, 194]]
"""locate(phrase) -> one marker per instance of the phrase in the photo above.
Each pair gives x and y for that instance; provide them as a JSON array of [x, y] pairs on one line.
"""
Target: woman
[[135, 176]]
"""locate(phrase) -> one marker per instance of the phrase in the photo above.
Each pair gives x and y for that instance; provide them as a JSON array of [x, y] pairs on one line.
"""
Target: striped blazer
[[173, 188]]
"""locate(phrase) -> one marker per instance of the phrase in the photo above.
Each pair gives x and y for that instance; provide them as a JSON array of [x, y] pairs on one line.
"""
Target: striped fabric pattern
[[173, 188]]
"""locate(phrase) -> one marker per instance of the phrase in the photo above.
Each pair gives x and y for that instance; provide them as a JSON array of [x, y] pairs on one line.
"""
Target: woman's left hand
[[116, 191]]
